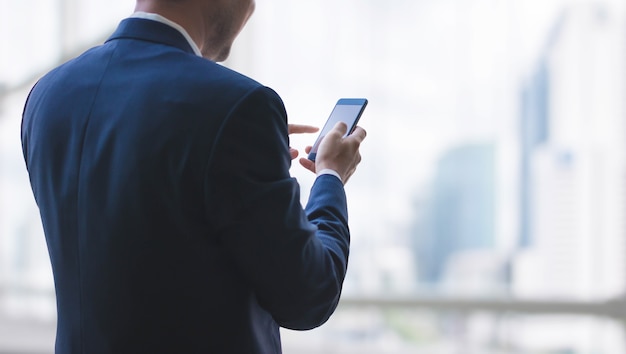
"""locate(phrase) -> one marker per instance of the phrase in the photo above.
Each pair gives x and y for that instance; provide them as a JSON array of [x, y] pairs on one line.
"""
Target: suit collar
[[153, 31]]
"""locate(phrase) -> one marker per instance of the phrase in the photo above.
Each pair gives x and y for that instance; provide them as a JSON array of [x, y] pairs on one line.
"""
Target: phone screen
[[347, 110]]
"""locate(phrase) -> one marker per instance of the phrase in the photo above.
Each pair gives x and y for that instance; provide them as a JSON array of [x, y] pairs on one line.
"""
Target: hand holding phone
[[347, 110], [334, 149]]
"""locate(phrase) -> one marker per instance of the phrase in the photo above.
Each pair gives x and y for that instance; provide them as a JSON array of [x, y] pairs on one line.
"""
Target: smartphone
[[347, 110]]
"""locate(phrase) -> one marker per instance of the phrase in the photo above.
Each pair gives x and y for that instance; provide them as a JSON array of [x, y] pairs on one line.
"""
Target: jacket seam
[[78, 189]]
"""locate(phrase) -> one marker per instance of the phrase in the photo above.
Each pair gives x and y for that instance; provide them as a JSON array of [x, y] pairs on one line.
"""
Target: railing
[[37, 336], [612, 308]]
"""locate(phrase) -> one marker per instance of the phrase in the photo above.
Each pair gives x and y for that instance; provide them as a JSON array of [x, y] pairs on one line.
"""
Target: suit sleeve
[[294, 260]]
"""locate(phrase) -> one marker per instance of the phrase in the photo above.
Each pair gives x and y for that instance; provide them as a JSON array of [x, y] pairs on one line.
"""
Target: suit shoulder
[[209, 71], [208, 77]]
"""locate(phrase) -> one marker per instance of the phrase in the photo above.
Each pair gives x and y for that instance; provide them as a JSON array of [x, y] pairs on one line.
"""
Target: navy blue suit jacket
[[172, 222]]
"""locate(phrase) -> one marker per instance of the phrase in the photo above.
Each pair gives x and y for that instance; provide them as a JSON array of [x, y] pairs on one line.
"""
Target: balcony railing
[[37, 336]]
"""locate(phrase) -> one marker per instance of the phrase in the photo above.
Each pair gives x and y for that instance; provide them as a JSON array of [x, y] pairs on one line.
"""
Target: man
[[163, 183]]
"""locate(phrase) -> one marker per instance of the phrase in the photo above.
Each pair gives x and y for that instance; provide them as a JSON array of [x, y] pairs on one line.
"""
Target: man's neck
[[185, 16]]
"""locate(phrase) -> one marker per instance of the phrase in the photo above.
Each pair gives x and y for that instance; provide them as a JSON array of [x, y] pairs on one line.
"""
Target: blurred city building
[[573, 185], [573, 177], [459, 220]]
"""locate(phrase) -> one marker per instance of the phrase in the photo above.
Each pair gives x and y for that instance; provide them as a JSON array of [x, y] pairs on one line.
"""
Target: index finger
[[301, 128]]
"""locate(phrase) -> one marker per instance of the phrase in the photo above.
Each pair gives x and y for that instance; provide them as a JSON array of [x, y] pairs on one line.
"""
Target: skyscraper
[[461, 210], [572, 173]]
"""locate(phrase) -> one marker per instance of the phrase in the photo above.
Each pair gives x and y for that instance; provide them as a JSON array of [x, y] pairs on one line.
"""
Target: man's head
[[225, 21], [212, 24]]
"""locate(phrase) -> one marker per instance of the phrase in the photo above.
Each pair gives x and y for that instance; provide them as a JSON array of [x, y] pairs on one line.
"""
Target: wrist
[[329, 171]]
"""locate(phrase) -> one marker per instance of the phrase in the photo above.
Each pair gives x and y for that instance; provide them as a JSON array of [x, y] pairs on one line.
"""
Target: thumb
[[341, 128]]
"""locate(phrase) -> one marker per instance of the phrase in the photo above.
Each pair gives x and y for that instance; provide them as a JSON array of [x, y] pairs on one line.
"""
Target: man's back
[[142, 161]]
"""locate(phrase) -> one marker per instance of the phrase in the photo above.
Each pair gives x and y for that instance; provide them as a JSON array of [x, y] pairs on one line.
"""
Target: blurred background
[[489, 212]]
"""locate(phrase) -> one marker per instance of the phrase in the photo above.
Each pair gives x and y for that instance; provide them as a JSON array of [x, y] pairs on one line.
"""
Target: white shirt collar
[[159, 18]]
